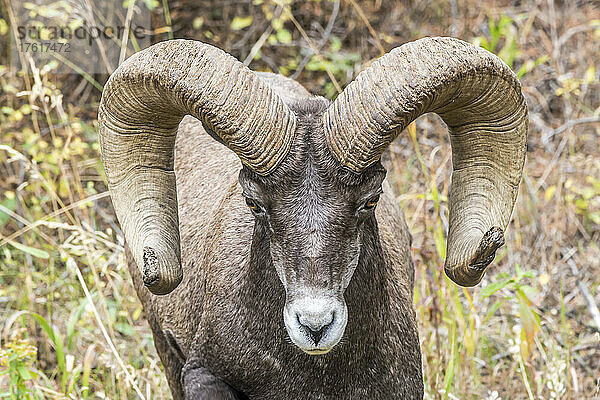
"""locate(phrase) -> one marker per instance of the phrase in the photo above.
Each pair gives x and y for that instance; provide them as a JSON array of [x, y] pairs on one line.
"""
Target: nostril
[[315, 330], [316, 335]]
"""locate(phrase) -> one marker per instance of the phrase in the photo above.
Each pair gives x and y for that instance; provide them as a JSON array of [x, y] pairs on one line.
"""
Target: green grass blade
[[56, 340], [449, 377], [38, 253]]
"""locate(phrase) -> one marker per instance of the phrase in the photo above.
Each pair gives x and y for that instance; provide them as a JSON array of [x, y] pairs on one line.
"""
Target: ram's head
[[313, 178]]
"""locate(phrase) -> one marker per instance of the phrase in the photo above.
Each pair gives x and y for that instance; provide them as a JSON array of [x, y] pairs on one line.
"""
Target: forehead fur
[[310, 153]]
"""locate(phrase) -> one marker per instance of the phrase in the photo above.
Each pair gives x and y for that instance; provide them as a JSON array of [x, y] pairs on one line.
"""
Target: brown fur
[[225, 318]]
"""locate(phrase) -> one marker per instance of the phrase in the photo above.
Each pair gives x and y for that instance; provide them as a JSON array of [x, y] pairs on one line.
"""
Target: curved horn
[[142, 104], [480, 100]]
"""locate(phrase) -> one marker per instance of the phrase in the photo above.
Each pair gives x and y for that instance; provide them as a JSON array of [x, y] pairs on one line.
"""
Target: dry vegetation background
[[70, 324]]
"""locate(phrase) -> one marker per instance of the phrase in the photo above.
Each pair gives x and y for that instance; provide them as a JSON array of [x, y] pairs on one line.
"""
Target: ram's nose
[[316, 322]]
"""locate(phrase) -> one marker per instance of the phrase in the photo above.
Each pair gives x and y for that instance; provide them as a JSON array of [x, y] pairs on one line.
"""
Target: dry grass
[[532, 338]]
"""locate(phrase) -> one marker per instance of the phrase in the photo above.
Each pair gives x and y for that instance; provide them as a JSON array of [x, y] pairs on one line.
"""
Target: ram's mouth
[[317, 352]]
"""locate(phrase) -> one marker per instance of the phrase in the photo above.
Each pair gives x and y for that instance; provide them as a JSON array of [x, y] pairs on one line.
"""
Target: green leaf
[[151, 4], [492, 310], [595, 217], [11, 204], [482, 42], [3, 27], [277, 24], [24, 372], [240, 23], [30, 250], [494, 287], [123, 328], [527, 274], [528, 291], [284, 36], [197, 23], [336, 44]]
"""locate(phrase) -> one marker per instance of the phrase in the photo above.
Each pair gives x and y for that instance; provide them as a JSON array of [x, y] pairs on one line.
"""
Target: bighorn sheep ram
[[292, 278]]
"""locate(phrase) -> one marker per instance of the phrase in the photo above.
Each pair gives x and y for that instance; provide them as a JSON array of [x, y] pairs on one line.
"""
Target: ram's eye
[[371, 203], [252, 204]]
